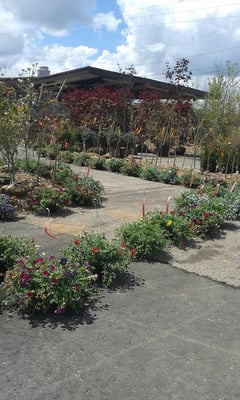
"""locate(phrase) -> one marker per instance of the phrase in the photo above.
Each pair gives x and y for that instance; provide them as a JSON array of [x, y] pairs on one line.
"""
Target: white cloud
[[107, 20], [152, 32]]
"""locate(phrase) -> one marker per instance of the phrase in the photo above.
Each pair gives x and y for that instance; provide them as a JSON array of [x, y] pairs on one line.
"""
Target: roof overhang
[[90, 77]]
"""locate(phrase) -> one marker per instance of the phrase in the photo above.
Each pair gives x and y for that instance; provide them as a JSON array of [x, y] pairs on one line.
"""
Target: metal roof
[[89, 77]]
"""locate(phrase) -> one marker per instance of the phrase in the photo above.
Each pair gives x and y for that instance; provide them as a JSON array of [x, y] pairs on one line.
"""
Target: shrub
[[27, 165], [66, 156], [62, 173], [32, 166], [99, 163], [82, 159], [7, 209], [205, 213], [54, 199], [150, 173], [146, 238], [169, 176], [84, 191], [40, 284], [192, 180], [50, 151], [106, 258], [131, 169], [175, 227], [115, 164], [12, 248]]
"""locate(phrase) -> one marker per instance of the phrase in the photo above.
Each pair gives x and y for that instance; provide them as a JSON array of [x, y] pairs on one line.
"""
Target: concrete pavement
[[160, 334]]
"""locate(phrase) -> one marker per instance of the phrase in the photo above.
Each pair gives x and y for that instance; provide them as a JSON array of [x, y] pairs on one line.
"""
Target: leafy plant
[[62, 173], [99, 163], [84, 191], [27, 165], [41, 284], [106, 258], [145, 237], [66, 156], [12, 248], [150, 173], [175, 227], [131, 169], [192, 180], [169, 176], [54, 199], [115, 164], [205, 213], [82, 159]]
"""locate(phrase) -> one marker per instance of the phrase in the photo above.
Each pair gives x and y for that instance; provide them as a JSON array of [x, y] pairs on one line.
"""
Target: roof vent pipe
[[43, 71]]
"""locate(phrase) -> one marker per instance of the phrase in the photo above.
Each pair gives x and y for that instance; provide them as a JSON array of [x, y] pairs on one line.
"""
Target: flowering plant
[[12, 248], [106, 258], [84, 191], [146, 238], [55, 199], [7, 209], [175, 226], [205, 213], [38, 283]]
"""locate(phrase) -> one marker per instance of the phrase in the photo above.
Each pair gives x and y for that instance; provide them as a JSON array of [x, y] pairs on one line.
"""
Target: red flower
[[53, 279], [46, 273], [171, 212], [76, 241], [95, 250], [132, 252], [122, 245]]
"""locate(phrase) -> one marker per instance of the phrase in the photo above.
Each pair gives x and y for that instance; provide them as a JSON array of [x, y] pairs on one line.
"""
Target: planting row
[[63, 282]]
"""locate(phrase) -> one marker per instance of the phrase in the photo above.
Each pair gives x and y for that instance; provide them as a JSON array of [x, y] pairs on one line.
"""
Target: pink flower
[[59, 310], [45, 273], [53, 279]]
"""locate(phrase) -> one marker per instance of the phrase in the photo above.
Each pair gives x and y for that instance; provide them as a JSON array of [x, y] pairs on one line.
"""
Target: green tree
[[220, 122]]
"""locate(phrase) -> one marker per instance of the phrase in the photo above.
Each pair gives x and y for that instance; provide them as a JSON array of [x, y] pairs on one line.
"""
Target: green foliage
[[24, 165], [62, 173], [82, 159], [169, 176], [66, 156], [53, 199], [11, 249], [41, 284], [205, 213], [33, 167], [193, 180], [84, 191], [150, 174], [175, 227], [131, 169], [145, 237], [50, 151], [115, 164], [106, 258], [99, 163]]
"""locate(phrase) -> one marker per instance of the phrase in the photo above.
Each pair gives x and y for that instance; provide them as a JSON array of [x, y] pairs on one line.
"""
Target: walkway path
[[162, 334]]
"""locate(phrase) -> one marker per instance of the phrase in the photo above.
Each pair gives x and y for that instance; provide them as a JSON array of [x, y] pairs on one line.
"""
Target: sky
[[115, 34]]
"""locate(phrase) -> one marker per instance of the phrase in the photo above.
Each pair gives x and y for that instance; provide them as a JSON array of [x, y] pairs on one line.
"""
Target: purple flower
[[63, 260]]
